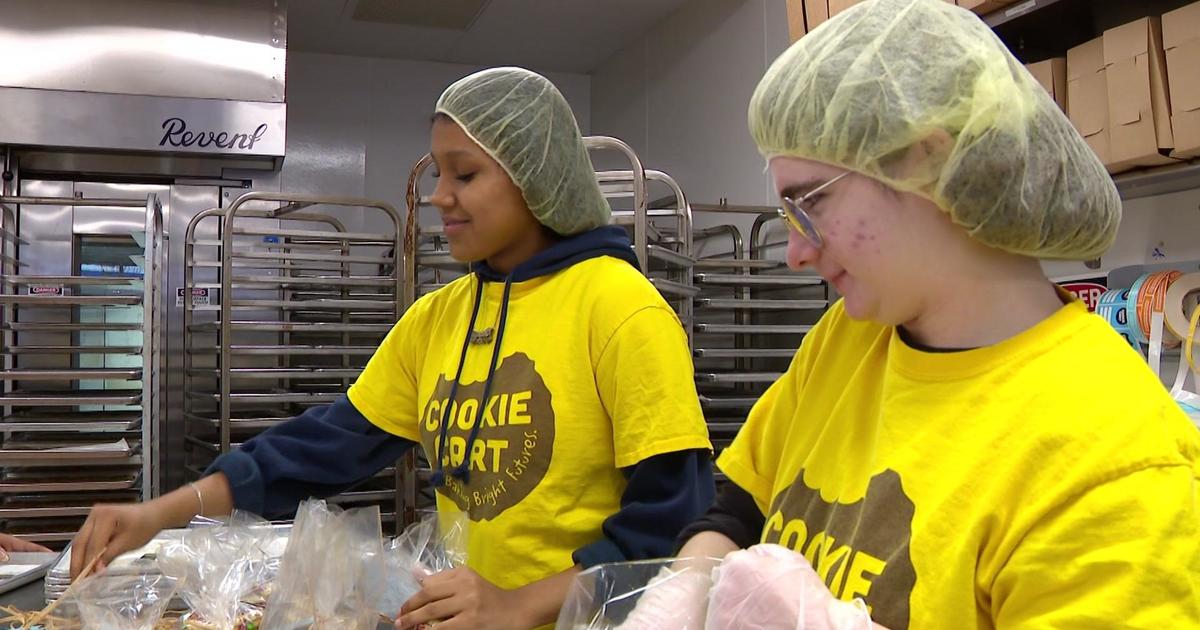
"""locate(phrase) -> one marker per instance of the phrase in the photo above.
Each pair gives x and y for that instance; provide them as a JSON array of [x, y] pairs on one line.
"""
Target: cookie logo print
[[872, 563], [512, 452]]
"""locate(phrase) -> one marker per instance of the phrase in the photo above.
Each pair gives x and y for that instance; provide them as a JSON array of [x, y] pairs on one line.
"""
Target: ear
[[921, 163]]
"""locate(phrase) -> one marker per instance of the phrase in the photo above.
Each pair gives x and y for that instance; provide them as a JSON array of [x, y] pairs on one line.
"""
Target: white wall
[[356, 125], [679, 95]]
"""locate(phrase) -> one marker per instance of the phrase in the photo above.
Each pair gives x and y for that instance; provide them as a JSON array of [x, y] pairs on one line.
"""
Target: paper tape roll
[[1131, 300], [1148, 295], [1111, 307], [1182, 297]]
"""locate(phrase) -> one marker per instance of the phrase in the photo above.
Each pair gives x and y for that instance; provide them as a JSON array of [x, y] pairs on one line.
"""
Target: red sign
[[1088, 292]]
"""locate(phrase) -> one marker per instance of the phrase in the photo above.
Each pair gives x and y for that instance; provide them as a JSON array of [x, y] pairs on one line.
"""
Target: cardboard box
[[984, 6], [1139, 110], [797, 26], [1181, 38], [1087, 95], [1052, 74], [818, 11]]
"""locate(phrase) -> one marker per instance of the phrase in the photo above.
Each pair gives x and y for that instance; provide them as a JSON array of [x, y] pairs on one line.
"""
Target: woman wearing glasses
[[958, 443]]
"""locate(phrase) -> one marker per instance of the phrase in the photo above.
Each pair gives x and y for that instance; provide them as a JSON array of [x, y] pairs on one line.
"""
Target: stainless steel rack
[[80, 396], [283, 306]]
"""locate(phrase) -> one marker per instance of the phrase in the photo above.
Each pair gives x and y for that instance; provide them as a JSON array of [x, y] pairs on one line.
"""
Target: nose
[[443, 196], [800, 251]]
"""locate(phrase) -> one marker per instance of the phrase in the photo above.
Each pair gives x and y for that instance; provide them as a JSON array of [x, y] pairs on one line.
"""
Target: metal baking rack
[[80, 406], [751, 315], [283, 307]]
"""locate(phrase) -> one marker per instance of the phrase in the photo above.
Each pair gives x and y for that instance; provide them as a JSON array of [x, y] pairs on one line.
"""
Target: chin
[[860, 309]]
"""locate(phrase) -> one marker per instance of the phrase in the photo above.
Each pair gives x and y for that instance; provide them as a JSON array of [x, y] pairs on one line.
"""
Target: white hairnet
[[526, 125], [921, 95]]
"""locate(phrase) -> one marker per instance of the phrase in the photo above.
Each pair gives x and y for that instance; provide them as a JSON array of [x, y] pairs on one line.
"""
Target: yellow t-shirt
[[1048, 481], [594, 376]]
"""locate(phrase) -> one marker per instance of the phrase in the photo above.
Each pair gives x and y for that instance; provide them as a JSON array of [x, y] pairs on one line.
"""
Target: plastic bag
[[328, 574], [434, 544], [225, 570], [669, 594], [123, 602]]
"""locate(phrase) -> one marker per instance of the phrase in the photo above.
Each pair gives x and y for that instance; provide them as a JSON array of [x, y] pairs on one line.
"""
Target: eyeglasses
[[794, 213]]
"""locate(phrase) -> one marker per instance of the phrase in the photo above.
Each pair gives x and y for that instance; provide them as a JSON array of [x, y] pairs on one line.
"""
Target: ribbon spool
[[1112, 307], [1147, 295], [1182, 297]]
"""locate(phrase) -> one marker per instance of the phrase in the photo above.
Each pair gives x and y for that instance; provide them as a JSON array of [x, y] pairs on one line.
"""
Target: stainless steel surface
[[53, 118], [763, 304], [752, 329], [208, 50], [762, 280]]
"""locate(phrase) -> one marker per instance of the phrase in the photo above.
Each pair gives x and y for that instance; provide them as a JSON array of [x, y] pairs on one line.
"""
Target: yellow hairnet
[[526, 125], [921, 95]]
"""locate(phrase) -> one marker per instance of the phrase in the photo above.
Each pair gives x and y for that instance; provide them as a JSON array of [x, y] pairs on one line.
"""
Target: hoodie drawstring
[[463, 470]]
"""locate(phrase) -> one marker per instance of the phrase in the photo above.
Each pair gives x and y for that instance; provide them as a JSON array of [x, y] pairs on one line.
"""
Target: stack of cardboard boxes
[[805, 15], [1134, 92]]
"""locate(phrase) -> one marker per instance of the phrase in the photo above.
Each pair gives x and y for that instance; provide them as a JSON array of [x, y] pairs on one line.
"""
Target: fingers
[[436, 611], [79, 545], [430, 592]]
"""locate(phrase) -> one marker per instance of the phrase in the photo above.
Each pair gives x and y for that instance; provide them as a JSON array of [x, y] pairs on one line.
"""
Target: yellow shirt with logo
[[595, 375], [1048, 481]]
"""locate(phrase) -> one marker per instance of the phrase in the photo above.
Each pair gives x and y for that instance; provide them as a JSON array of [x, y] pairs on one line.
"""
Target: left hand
[[12, 544], [768, 586], [459, 599]]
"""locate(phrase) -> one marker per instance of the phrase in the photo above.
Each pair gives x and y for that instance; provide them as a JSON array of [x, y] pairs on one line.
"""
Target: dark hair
[[440, 117]]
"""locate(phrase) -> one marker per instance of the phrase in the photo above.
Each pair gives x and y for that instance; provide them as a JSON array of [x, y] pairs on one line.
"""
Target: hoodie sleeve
[[665, 493], [320, 453]]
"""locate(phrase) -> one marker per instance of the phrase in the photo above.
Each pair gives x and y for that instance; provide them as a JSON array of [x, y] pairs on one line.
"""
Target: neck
[[985, 303], [505, 261]]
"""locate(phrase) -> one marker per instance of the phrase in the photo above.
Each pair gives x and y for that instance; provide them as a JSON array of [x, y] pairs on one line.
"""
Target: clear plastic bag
[[328, 577], [434, 544], [670, 594], [122, 602], [225, 570]]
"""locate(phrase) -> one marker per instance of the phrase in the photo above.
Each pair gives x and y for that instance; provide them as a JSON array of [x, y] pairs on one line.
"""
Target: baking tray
[[758, 280], [760, 305], [747, 353], [67, 326], [736, 263], [658, 252], [49, 482], [737, 377], [738, 402], [67, 451], [283, 373], [312, 281], [752, 329], [72, 398], [75, 374], [309, 327], [72, 422], [676, 289], [73, 280], [313, 235], [69, 349], [70, 300], [24, 568], [308, 350]]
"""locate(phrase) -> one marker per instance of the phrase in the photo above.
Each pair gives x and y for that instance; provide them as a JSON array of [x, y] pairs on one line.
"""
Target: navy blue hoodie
[[330, 449]]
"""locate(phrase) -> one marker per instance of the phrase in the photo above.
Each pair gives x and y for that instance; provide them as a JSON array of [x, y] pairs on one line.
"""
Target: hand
[[16, 545], [768, 586], [676, 599], [113, 529], [459, 599]]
